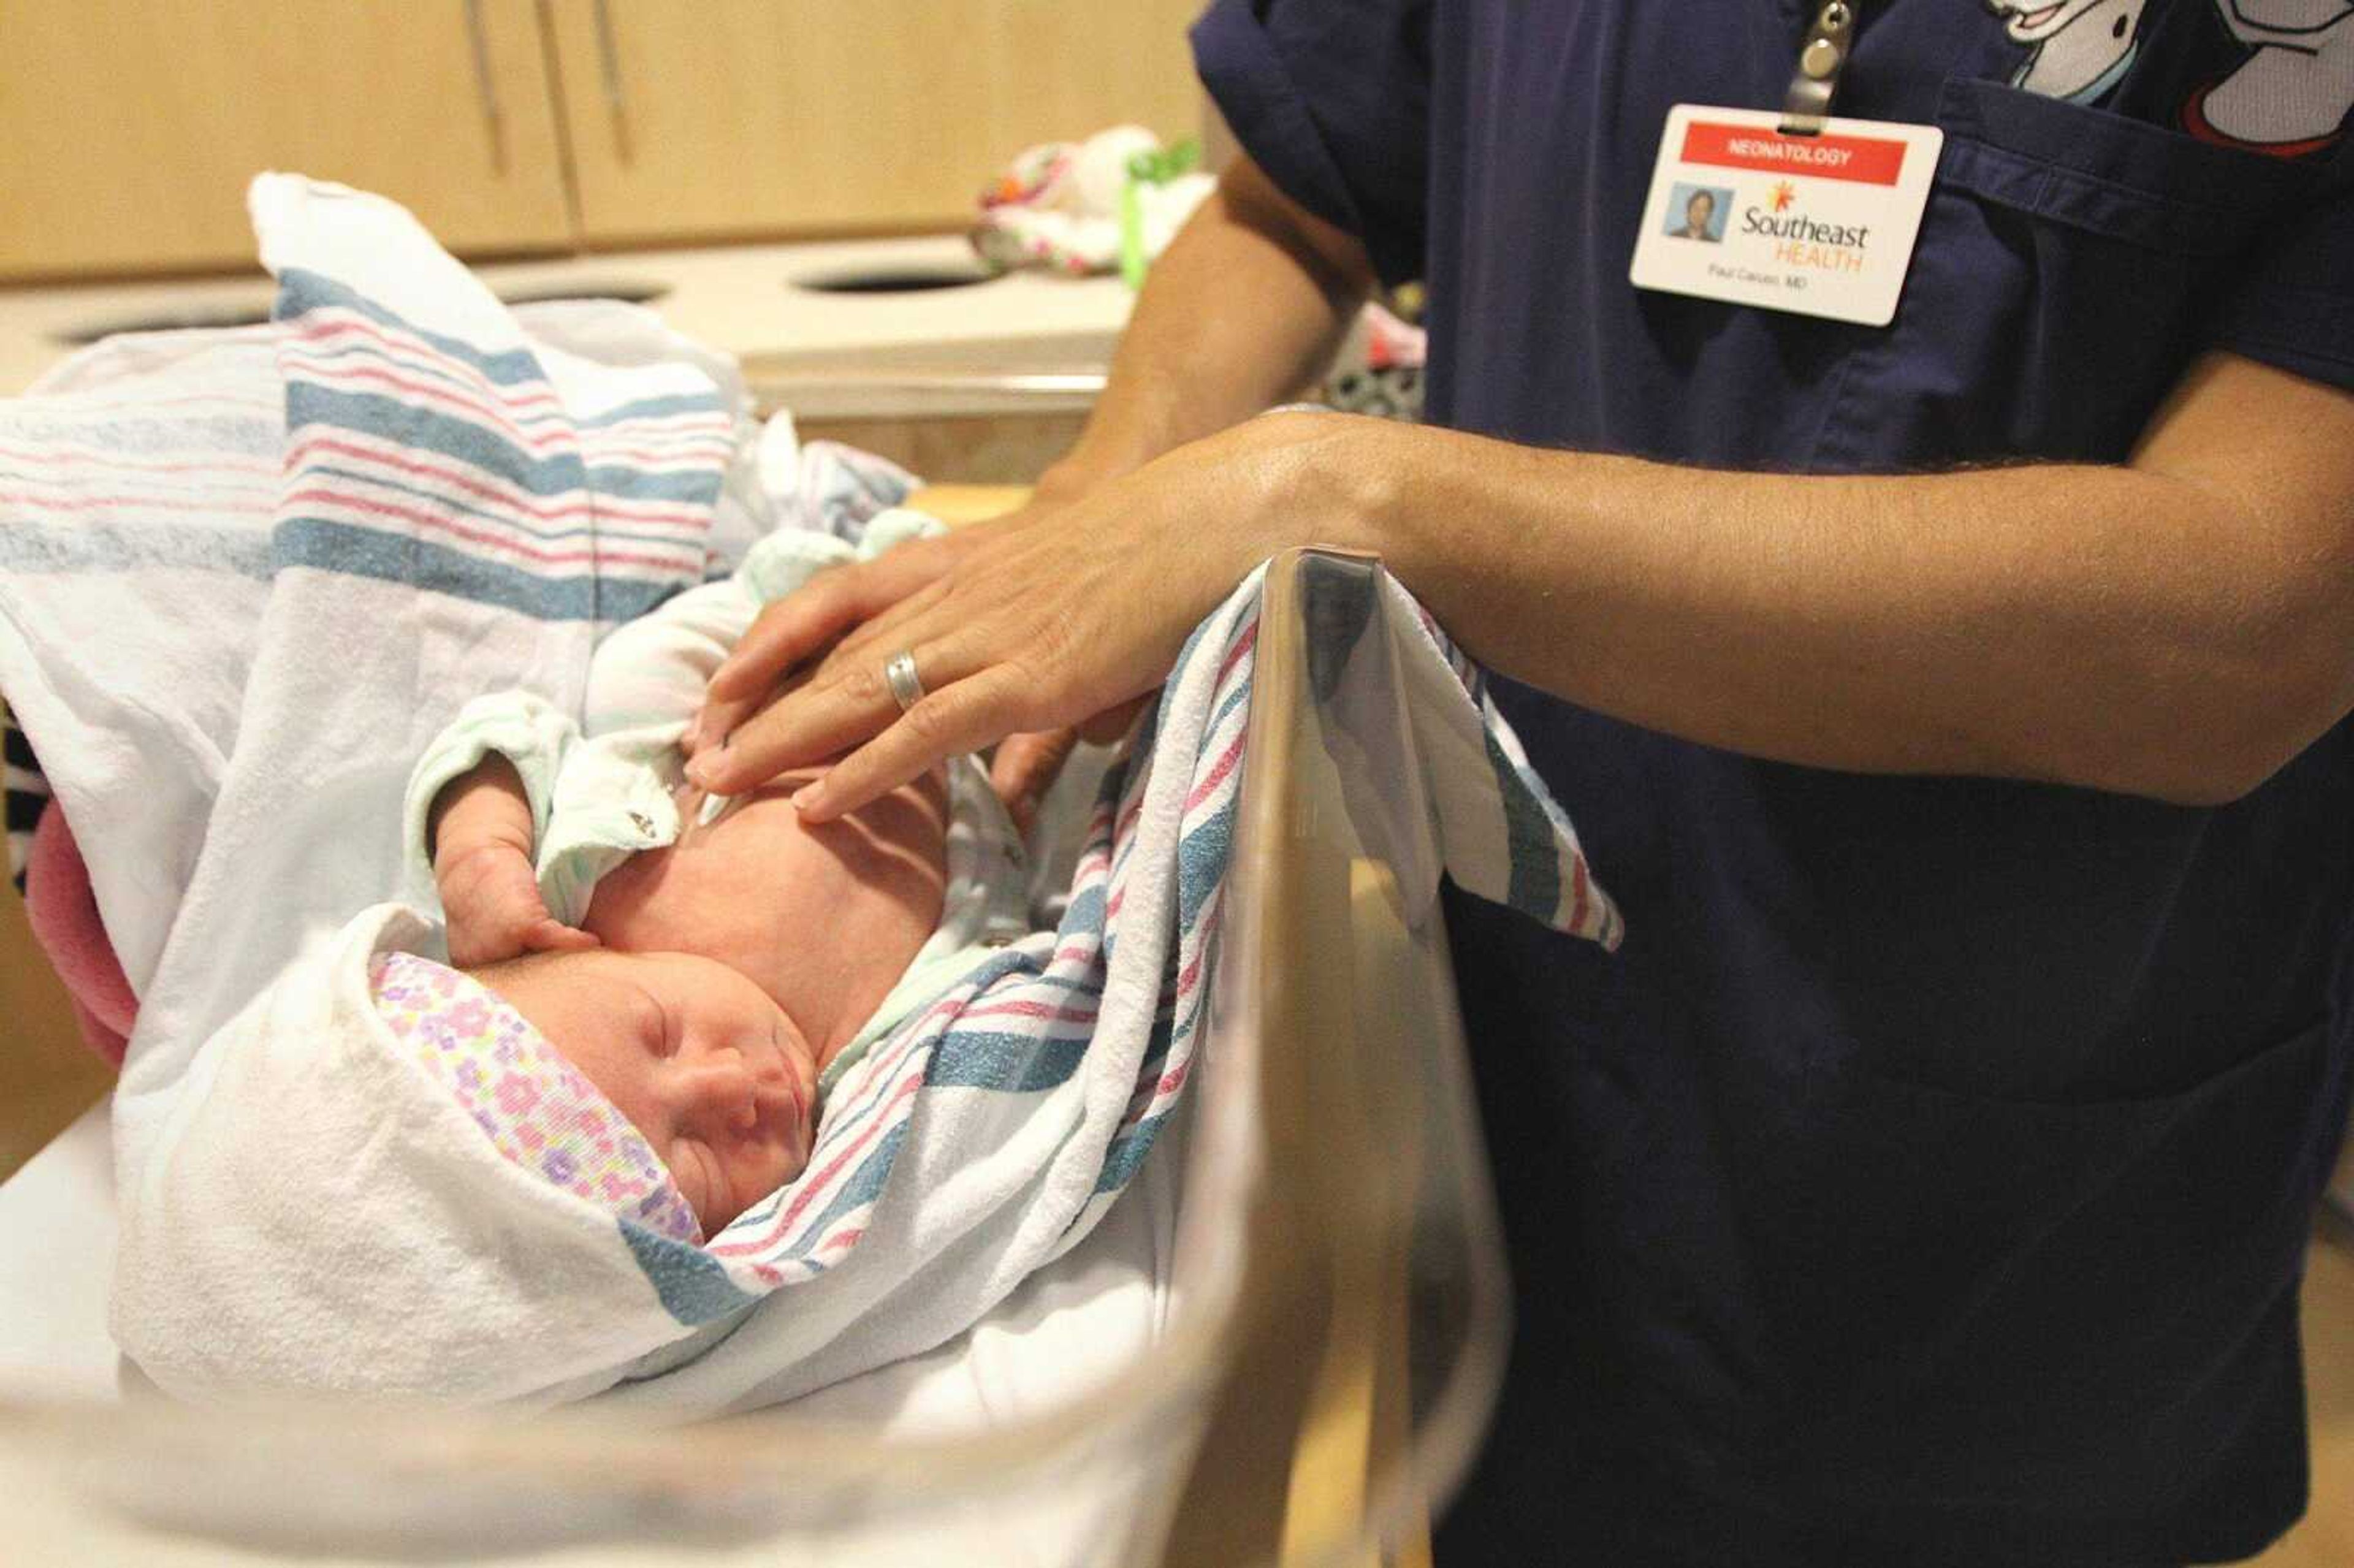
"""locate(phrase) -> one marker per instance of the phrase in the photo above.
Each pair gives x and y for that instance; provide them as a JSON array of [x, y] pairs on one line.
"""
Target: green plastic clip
[[1157, 168]]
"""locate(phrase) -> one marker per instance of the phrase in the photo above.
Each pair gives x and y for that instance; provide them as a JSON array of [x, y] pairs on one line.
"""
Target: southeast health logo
[[1800, 240]]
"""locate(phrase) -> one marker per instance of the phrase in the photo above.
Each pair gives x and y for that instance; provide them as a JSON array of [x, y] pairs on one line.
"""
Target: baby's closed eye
[[656, 1029]]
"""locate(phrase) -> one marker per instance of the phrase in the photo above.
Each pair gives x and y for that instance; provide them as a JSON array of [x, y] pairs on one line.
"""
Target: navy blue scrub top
[[1928, 1180]]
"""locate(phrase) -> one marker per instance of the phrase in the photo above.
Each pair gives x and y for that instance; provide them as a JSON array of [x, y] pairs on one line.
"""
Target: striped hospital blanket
[[397, 498]]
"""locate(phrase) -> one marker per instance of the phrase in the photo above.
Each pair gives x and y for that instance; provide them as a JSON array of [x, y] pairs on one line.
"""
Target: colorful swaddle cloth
[[535, 1107]]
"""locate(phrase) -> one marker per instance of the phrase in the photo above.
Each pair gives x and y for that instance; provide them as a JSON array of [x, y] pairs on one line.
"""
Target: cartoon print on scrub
[[2291, 95], [2082, 47]]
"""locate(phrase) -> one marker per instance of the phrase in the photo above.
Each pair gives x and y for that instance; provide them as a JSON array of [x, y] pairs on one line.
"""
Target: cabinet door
[[129, 128], [751, 117]]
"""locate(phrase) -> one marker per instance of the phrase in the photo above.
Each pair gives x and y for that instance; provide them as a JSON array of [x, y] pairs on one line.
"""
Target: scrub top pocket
[[2008, 1248], [2070, 261]]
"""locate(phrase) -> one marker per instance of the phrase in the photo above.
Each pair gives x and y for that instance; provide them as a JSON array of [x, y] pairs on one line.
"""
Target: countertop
[[1022, 342]]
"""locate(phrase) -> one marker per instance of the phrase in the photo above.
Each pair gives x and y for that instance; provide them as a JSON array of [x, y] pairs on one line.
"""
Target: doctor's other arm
[[2177, 626]]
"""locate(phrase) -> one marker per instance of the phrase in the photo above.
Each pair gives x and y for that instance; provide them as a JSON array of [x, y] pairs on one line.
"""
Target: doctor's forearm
[[1249, 302], [2098, 626]]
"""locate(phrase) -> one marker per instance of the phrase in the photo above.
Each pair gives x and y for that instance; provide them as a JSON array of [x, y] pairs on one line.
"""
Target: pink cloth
[[63, 912]]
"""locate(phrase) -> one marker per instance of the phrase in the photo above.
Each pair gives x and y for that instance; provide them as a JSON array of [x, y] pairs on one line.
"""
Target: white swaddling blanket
[[462, 506]]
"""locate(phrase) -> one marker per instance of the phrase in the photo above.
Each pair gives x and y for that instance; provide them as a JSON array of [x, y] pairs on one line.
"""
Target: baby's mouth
[[804, 1131], [804, 1125]]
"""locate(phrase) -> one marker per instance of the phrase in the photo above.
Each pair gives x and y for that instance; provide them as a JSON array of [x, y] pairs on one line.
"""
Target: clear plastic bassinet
[[1329, 1360]]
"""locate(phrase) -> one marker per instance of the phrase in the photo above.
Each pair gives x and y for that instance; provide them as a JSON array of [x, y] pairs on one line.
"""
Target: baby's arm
[[478, 835], [477, 807]]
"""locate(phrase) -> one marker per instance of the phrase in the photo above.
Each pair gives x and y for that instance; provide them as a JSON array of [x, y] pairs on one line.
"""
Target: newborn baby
[[711, 981]]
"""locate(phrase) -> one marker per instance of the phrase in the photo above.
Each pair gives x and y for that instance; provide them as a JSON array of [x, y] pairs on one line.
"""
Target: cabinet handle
[[486, 86], [608, 63]]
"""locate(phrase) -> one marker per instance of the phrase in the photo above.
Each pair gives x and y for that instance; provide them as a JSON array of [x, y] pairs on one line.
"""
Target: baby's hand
[[494, 908], [480, 837]]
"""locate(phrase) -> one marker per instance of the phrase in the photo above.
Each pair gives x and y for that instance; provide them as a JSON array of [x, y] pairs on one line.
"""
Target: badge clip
[[1808, 104]]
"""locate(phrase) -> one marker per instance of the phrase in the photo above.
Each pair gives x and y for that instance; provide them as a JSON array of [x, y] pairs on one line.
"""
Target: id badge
[[1820, 225]]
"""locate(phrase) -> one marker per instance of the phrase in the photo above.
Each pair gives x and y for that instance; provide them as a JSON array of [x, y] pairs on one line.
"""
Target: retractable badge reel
[[1796, 211]]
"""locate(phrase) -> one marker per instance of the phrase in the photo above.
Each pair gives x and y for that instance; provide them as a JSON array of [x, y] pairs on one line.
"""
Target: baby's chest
[[791, 906]]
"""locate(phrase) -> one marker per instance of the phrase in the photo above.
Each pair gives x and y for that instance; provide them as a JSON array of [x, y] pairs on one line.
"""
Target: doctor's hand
[[837, 601], [1042, 621]]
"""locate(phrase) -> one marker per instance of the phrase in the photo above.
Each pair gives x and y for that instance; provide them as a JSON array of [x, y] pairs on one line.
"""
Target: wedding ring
[[899, 674]]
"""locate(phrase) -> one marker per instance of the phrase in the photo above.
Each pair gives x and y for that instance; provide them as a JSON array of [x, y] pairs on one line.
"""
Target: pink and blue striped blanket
[[245, 577]]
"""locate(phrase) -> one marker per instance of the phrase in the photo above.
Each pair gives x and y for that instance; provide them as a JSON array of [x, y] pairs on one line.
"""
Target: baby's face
[[713, 1073]]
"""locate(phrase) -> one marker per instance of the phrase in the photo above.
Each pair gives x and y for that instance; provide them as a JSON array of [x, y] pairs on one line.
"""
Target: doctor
[[1955, 705]]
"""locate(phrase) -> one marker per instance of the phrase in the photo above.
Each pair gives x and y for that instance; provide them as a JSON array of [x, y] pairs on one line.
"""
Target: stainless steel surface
[[1815, 82]]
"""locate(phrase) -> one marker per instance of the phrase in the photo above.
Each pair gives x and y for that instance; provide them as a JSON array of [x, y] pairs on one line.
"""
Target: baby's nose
[[775, 1100], [721, 1093]]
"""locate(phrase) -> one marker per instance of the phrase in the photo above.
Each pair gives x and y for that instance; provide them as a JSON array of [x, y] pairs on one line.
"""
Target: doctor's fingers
[[792, 627], [719, 720], [723, 711], [1025, 768], [1116, 721], [830, 603], [824, 716], [1028, 763], [999, 694], [875, 640], [973, 714]]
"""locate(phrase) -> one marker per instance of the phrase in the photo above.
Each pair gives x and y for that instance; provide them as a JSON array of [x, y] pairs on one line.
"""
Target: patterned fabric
[[1379, 368], [1020, 1022], [838, 489], [533, 1105], [1078, 207], [1392, 394], [497, 491]]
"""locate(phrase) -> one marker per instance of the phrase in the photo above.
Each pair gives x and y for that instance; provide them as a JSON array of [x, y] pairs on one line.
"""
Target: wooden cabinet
[[753, 117], [129, 128]]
